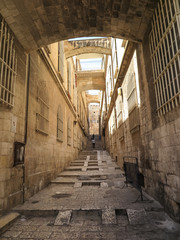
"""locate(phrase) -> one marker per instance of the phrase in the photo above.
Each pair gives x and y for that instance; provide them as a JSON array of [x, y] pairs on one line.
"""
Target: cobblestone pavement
[[89, 200]]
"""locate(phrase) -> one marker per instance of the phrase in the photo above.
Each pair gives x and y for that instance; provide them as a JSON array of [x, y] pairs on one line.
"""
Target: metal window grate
[[8, 65], [165, 55], [60, 124], [42, 115]]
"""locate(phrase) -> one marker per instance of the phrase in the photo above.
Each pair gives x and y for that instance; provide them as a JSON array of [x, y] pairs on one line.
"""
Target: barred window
[[131, 92], [61, 58], [8, 65], [69, 132], [165, 54], [60, 124], [42, 115]]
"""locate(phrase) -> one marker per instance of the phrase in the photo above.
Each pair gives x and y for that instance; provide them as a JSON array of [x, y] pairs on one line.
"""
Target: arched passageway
[[37, 24], [43, 91]]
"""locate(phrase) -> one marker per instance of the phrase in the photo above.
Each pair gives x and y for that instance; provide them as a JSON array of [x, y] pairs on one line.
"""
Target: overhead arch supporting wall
[[39, 23]]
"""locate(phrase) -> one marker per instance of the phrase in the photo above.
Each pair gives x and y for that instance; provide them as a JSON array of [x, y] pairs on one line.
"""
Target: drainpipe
[[26, 115]]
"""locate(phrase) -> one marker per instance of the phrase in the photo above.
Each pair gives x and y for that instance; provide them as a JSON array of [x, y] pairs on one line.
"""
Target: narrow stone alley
[[90, 200]]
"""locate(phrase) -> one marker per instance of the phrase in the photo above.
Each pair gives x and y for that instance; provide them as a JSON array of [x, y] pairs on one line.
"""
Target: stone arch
[[44, 22], [85, 50]]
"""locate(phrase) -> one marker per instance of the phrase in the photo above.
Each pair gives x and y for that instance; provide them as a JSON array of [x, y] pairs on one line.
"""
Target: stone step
[[63, 182], [7, 220], [73, 169], [109, 216], [77, 164], [92, 169], [91, 183], [68, 175], [63, 218]]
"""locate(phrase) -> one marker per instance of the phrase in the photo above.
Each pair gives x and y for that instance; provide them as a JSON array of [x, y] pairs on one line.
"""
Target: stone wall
[[156, 144], [161, 145], [45, 156], [12, 125]]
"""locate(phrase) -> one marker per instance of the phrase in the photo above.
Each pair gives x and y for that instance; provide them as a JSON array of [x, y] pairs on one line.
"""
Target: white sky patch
[[93, 92], [91, 64]]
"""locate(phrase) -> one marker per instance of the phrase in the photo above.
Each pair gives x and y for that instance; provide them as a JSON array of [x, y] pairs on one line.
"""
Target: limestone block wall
[[45, 156], [160, 160], [12, 124]]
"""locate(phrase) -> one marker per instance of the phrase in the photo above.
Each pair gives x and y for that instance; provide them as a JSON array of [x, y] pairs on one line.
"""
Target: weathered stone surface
[[92, 212], [26, 20], [63, 218], [108, 216], [136, 216], [104, 185], [78, 185]]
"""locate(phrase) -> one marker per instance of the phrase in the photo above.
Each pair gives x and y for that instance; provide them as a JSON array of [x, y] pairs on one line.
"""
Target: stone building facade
[[94, 119], [150, 130], [47, 119]]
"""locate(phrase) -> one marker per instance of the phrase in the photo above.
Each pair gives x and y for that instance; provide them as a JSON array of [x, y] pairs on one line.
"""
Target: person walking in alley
[[93, 143]]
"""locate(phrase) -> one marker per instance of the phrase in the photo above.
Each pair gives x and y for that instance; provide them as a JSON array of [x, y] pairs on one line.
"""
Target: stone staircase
[[89, 200], [98, 144]]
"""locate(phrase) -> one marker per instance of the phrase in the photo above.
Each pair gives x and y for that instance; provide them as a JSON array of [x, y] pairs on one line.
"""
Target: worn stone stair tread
[[7, 220], [63, 218], [62, 182], [73, 169], [136, 216], [109, 216]]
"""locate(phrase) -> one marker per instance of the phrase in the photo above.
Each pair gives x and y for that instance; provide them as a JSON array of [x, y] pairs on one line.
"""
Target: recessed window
[[165, 55], [132, 100], [8, 65], [60, 124], [131, 92], [69, 132], [42, 115]]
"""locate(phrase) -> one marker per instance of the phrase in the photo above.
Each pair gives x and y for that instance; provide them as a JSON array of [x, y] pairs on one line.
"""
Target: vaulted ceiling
[[36, 23]]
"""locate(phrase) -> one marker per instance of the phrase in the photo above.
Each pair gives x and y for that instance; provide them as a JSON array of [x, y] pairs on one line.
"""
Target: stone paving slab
[[108, 216], [78, 185], [63, 218], [136, 216]]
